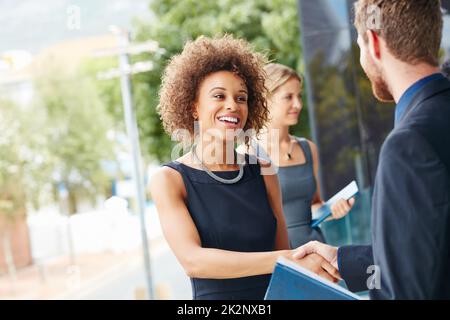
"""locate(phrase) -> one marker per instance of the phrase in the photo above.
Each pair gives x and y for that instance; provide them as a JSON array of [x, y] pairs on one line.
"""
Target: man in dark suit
[[410, 253]]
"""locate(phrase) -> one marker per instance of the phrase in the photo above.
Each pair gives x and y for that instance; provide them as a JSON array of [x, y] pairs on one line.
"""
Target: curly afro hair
[[185, 72]]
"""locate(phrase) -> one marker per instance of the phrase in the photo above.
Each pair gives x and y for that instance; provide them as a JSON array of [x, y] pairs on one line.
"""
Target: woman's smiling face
[[285, 104], [222, 103]]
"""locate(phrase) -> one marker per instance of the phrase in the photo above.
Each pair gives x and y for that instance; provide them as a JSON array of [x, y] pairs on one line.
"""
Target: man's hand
[[319, 266], [329, 253]]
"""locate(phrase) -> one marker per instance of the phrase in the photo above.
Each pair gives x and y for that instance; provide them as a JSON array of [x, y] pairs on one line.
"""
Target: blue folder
[[292, 282], [325, 211]]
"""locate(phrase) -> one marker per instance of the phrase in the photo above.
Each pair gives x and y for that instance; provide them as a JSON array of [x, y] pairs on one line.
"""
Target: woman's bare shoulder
[[311, 144], [166, 180]]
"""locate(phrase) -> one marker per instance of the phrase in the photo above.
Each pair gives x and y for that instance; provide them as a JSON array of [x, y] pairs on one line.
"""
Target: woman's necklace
[[212, 175], [291, 145]]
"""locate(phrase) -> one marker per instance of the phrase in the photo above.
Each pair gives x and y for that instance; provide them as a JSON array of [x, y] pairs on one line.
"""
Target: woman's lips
[[229, 125], [229, 121]]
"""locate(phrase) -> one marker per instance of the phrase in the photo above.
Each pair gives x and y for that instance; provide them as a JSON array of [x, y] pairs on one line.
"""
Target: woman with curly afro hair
[[221, 217]]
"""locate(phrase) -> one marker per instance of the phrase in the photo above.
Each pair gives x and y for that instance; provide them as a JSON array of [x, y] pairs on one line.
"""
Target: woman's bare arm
[[168, 192], [275, 200], [317, 200]]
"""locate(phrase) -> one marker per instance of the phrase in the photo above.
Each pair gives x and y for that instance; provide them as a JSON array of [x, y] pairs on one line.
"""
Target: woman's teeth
[[229, 119]]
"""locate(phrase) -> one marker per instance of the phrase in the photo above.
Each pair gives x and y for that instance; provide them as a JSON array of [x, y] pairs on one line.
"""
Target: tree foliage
[[270, 25], [77, 122], [25, 163]]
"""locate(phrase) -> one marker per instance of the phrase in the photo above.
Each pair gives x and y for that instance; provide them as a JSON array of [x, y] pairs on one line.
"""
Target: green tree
[[23, 170], [78, 122], [270, 25]]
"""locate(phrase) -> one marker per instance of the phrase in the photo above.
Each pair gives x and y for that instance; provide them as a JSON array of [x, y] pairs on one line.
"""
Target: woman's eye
[[218, 96], [242, 99], [289, 97]]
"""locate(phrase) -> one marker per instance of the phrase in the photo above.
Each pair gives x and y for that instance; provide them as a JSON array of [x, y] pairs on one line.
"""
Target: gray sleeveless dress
[[298, 187]]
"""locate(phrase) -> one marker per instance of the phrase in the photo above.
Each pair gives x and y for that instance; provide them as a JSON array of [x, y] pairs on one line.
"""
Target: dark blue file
[[292, 282]]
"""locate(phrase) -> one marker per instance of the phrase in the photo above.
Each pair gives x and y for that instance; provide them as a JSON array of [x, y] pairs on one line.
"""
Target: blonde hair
[[278, 75]]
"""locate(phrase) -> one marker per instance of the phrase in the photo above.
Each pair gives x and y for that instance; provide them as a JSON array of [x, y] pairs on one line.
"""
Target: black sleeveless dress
[[236, 217]]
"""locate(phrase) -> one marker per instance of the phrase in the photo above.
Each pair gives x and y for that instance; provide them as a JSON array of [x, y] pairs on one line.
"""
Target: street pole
[[123, 72], [65, 208], [133, 136]]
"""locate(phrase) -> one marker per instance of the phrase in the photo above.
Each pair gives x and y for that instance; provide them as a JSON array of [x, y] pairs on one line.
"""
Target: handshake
[[318, 257]]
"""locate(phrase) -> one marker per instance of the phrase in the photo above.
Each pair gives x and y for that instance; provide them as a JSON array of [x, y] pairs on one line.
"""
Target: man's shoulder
[[405, 143], [436, 106], [430, 113], [399, 137], [427, 122], [427, 125]]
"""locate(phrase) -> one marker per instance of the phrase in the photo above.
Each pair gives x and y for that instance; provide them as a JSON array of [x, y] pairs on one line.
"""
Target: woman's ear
[[194, 112]]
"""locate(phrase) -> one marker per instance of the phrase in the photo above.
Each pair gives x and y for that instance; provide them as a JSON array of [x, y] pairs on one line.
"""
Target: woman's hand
[[315, 263], [341, 207]]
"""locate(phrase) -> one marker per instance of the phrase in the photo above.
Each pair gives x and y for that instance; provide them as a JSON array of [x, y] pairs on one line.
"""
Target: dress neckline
[[304, 155]]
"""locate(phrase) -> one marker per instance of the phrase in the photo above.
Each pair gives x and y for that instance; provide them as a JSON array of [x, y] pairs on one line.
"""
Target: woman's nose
[[297, 104], [231, 105]]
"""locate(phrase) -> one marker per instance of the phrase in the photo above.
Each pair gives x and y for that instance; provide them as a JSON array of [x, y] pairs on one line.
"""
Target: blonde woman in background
[[295, 157]]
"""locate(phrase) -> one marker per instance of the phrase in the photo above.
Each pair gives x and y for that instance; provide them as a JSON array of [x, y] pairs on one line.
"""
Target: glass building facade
[[347, 123]]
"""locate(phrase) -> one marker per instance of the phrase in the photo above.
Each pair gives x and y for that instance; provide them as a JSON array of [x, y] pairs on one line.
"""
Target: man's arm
[[353, 263], [409, 228]]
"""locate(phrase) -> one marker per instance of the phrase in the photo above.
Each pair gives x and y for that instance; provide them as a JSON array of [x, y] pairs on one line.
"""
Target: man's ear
[[374, 44]]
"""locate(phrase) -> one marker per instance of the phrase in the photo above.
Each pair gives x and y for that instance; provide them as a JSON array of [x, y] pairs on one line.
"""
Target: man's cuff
[[353, 262]]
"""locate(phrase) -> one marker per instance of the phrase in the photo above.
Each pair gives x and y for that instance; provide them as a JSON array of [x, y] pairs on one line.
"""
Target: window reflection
[[446, 38]]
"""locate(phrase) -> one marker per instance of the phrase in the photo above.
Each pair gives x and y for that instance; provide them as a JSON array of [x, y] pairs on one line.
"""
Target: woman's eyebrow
[[217, 88], [221, 88]]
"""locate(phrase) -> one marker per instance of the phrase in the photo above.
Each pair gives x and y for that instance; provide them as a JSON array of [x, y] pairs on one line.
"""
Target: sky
[[33, 25]]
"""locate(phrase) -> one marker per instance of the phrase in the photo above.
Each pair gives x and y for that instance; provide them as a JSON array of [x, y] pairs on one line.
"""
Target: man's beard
[[380, 87]]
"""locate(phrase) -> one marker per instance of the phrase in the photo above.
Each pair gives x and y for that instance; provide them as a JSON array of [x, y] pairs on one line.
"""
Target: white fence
[[113, 228]]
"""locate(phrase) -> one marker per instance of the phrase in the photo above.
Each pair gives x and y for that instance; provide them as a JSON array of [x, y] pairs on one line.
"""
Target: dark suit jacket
[[410, 206]]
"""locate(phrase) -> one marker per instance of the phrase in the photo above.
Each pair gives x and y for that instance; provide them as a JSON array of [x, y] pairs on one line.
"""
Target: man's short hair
[[412, 30], [446, 68]]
